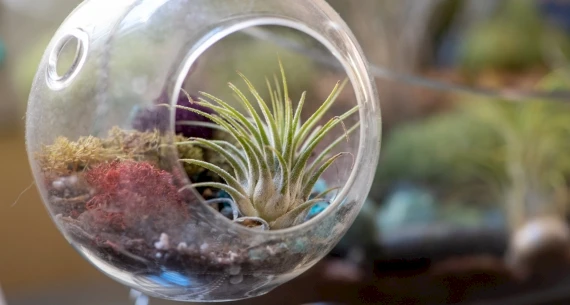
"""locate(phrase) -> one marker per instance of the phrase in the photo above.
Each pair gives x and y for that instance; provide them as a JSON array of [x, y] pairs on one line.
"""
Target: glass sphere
[[188, 182]]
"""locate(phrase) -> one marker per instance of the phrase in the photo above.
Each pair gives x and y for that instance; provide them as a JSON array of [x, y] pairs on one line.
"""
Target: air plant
[[271, 180]]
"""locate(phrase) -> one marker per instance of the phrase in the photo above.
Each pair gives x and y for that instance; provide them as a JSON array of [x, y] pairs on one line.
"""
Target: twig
[[20, 196]]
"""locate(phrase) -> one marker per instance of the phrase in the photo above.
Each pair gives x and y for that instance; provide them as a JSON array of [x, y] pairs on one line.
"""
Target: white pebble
[[163, 243], [204, 247], [182, 246], [234, 270], [58, 184], [72, 180], [233, 255], [234, 280], [270, 250]]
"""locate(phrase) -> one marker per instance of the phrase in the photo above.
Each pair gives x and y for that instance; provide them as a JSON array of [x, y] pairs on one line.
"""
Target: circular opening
[[219, 75], [67, 58]]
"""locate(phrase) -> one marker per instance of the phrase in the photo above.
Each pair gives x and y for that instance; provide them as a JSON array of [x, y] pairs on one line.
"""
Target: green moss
[[190, 152], [66, 156], [217, 159]]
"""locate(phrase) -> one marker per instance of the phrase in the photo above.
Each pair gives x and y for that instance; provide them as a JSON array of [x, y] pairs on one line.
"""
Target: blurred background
[[471, 197]]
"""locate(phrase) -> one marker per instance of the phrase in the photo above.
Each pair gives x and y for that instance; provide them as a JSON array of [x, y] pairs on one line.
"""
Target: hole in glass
[[67, 58]]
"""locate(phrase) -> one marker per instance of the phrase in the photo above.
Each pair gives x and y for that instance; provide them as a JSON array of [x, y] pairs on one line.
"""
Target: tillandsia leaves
[[271, 177]]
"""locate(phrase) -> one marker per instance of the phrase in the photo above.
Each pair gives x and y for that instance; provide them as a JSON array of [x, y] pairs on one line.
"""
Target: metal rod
[[387, 74], [2, 298], [138, 297]]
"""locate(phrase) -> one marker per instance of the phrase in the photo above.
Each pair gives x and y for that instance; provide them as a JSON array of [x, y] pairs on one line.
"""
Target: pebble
[[227, 211], [257, 254], [319, 187], [233, 255], [317, 209], [223, 194], [72, 180], [58, 184], [207, 193], [236, 279], [234, 270], [204, 247], [299, 245], [163, 243]]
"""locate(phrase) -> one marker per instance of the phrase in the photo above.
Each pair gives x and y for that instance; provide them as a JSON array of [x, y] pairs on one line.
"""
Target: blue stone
[[159, 281], [2, 52], [299, 245], [223, 194], [319, 187], [257, 254], [227, 211], [317, 209], [170, 279], [226, 208], [176, 278], [407, 205]]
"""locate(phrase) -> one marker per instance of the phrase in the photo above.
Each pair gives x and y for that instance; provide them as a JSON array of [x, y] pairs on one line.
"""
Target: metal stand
[[2, 298], [139, 298]]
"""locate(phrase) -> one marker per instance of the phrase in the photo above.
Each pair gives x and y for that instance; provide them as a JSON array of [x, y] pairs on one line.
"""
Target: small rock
[[540, 247], [204, 247], [72, 180], [320, 187], [163, 243], [207, 193], [234, 270], [236, 279], [257, 254], [58, 184], [317, 209]]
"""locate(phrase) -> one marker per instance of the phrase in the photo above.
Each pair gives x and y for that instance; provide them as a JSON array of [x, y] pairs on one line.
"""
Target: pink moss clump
[[134, 198]]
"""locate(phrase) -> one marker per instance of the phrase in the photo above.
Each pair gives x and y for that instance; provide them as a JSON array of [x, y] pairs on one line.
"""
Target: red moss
[[134, 198]]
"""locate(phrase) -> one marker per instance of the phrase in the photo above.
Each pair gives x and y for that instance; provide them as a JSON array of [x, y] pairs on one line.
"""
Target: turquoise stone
[[2, 52]]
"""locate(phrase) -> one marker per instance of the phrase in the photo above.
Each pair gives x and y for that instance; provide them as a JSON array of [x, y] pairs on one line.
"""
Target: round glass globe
[[179, 194]]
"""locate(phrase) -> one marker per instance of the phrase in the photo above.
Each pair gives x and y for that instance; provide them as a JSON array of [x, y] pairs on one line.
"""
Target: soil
[[136, 249]]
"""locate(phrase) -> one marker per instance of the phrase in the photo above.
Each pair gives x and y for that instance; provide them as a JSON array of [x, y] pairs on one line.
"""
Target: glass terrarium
[[194, 150]]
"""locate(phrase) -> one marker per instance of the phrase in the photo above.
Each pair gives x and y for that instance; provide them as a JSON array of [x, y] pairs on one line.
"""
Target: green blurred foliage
[[2, 52], [26, 65], [437, 149], [513, 39], [487, 148]]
